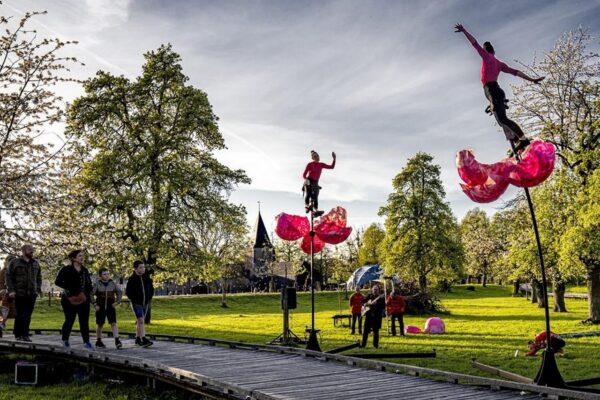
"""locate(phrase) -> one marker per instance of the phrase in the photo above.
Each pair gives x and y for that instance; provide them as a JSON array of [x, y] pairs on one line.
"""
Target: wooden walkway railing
[[254, 371]]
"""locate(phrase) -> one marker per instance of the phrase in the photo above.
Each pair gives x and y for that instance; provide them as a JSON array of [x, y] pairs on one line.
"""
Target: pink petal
[[333, 220], [469, 170], [291, 227], [536, 165], [335, 236], [305, 245]]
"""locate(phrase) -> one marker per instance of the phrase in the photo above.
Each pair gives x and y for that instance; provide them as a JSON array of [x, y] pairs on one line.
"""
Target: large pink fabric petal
[[318, 245], [291, 227], [535, 166], [336, 236], [334, 219], [469, 170]]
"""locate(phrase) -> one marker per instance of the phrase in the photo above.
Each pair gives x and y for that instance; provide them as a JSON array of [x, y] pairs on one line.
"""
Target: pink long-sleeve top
[[491, 66], [313, 169]]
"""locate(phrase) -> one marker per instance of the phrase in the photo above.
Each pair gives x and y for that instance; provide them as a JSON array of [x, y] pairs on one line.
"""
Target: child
[[311, 188], [107, 297], [140, 290], [7, 306]]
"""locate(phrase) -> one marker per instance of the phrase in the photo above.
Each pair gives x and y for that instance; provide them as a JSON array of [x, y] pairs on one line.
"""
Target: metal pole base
[[549, 375], [313, 342], [292, 339]]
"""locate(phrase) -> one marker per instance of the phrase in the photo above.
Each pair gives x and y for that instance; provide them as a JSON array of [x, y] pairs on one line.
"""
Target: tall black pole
[[313, 342], [548, 375]]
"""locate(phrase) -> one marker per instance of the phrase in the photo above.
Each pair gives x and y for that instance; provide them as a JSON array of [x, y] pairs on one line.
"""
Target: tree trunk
[[223, 294], [423, 283], [593, 284], [534, 284], [516, 287], [537, 289], [484, 283], [559, 297]]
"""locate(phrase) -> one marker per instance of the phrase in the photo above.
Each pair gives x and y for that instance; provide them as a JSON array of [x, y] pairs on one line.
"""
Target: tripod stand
[[287, 337]]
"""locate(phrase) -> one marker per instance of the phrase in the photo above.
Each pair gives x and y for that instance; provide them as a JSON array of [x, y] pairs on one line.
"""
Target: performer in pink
[[311, 187], [490, 69]]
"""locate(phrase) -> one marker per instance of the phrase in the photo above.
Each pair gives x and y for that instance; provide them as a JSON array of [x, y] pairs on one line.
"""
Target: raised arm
[[471, 39], [332, 166]]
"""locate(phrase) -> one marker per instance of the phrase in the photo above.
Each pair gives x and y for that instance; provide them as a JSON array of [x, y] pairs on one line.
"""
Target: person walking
[[7, 306], [374, 305], [140, 290], [395, 306], [75, 300], [108, 296], [355, 303], [24, 284]]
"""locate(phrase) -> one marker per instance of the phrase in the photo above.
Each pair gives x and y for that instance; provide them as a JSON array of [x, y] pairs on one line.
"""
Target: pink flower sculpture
[[484, 183], [330, 228]]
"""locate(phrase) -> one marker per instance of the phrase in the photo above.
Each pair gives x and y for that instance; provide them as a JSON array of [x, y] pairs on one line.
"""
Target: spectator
[[355, 303], [24, 284], [140, 290], [7, 306], [108, 296], [539, 342], [75, 300], [395, 306]]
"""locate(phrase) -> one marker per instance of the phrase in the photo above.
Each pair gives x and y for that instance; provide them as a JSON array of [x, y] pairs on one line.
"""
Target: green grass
[[487, 324]]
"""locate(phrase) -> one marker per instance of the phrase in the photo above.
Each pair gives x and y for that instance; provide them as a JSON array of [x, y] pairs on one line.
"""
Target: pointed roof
[[261, 237]]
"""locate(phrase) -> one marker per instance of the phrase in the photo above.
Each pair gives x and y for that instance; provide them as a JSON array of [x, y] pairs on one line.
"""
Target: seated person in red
[[355, 303], [556, 343], [311, 188], [394, 307]]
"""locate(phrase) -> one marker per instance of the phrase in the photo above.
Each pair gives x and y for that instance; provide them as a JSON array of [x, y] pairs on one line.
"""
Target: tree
[[581, 242], [565, 109], [369, 251], [146, 169], [481, 248], [30, 68], [421, 238]]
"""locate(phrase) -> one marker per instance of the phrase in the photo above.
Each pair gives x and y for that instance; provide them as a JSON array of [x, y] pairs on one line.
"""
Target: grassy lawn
[[487, 324]]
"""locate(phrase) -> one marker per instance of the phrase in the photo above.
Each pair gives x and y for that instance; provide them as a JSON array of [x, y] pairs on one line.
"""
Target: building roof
[[261, 237]]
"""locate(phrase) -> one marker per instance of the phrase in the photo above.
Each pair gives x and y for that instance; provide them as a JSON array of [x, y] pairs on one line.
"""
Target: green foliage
[[422, 238], [142, 177], [370, 249], [480, 244]]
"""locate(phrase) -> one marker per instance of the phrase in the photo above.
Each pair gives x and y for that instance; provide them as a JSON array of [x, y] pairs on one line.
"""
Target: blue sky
[[375, 81]]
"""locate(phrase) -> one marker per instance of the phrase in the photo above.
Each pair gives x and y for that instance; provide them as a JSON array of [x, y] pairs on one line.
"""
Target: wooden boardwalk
[[268, 373]]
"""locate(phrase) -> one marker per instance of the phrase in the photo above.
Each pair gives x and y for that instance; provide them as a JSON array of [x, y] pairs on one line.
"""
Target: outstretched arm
[[530, 79], [471, 39], [332, 166]]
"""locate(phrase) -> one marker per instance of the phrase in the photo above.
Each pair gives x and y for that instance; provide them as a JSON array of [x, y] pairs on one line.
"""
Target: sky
[[374, 81]]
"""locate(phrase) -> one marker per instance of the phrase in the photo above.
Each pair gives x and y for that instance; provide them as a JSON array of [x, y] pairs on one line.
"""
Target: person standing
[[395, 306], [140, 290], [75, 300], [108, 296], [24, 284], [374, 305], [7, 306], [311, 187], [355, 303]]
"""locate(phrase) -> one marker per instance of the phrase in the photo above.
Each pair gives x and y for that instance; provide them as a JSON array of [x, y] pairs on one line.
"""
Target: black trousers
[[371, 324], [82, 312], [311, 192], [356, 317], [496, 97], [400, 319], [24, 308]]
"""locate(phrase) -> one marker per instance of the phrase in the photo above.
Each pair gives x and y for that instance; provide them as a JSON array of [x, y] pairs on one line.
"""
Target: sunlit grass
[[488, 324]]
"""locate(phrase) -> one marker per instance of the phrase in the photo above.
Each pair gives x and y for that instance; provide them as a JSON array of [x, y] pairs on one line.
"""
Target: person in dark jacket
[[108, 296], [76, 283], [375, 304], [24, 284], [7, 305], [140, 290]]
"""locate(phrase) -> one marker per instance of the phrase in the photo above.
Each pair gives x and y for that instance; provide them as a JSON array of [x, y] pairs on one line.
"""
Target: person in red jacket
[[394, 307], [311, 187], [355, 303], [539, 342]]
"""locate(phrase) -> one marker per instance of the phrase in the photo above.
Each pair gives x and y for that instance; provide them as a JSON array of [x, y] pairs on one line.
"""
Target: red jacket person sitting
[[556, 343]]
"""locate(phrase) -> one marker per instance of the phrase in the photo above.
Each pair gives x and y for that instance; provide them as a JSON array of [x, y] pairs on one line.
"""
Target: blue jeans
[[139, 310]]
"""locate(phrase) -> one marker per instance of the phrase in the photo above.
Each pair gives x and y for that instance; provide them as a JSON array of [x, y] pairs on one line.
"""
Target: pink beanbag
[[412, 329], [435, 325]]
